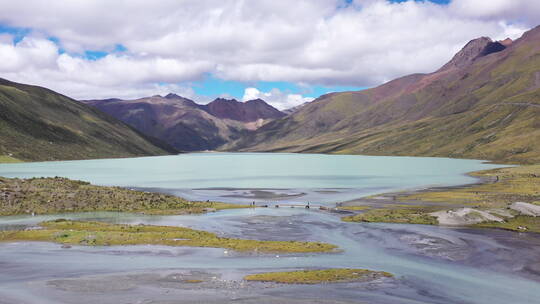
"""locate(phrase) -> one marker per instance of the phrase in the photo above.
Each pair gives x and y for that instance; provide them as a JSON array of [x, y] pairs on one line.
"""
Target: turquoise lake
[[240, 177]]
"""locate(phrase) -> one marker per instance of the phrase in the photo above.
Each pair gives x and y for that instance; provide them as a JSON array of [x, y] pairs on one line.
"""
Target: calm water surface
[[235, 177]]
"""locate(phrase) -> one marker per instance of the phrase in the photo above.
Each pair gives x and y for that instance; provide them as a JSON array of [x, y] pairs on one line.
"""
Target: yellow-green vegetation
[[387, 215], [508, 185], [103, 234], [9, 159], [519, 223], [352, 208], [192, 281], [515, 184], [335, 275], [57, 195]]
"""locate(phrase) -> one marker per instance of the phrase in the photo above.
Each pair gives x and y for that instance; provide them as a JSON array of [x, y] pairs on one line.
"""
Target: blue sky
[[203, 50], [212, 86], [17, 32]]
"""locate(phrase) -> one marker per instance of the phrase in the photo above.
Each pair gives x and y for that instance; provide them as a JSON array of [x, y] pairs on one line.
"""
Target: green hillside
[[37, 124], [484, 104]]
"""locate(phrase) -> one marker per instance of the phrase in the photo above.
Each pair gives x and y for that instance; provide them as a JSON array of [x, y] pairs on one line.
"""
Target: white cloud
[[30, 53], [37, 61], [311, 42], [277, 98], [6, 38], [524, 11]]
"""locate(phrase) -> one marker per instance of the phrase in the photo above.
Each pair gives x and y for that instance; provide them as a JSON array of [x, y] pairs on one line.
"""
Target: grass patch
[[520, 223], [335, 275], [59, 195], [192, 281], [9, 159], [103, 234], [517, 184], [404, 216]]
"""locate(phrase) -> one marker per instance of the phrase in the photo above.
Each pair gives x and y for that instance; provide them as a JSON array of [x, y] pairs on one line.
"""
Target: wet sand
[[268, 196]]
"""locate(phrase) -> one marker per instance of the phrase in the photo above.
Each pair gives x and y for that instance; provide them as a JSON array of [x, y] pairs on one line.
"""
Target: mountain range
[[187, 125], [484, 103], [37, 124]]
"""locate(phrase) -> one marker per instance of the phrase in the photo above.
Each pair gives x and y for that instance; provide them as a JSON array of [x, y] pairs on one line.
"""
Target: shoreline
[[505, 198], [415, 206], [391, 196]]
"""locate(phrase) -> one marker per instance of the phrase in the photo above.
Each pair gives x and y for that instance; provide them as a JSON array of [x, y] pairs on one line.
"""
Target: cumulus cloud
[[279, 99], [526, 12], [37, 61], [170, 42]]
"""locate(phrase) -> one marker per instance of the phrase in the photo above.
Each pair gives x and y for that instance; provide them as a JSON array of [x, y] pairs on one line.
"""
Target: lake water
[[432, 264], [262, 177]]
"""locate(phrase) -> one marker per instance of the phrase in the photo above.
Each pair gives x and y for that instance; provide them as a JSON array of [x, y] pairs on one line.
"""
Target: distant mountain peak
[[222, 99], [476, 48], [111, 100], [506, 42], [173, 96], [248, 111], [258, 100]]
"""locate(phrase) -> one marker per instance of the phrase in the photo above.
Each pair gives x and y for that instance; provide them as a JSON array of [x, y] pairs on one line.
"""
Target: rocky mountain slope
[[485, 103], [37, 124], [187, 125], [248, 111]]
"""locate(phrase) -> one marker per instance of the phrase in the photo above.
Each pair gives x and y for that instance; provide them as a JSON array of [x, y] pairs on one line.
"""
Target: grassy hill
[[37, 124], [485, 103]]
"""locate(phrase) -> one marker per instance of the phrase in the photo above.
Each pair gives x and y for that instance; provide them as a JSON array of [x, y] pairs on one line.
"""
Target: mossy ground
[[515, 184], [9, 159], [404, 216], [335, 275], [103, 234], [520, 223], [507, 185], [59, 195]]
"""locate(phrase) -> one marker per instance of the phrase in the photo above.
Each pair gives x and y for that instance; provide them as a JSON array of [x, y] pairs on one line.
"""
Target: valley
[[425, 189]]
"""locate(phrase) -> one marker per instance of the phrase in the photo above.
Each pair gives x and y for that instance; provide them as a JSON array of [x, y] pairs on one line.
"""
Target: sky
[[285, 52]]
